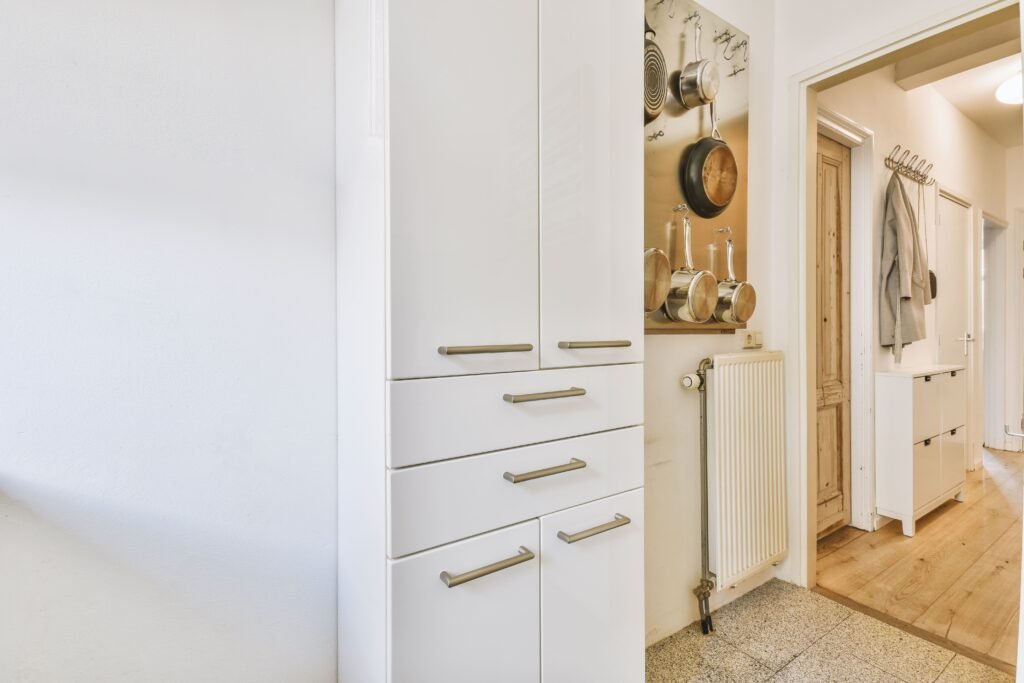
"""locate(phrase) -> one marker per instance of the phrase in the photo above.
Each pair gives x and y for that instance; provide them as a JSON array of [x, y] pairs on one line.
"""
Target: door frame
[[800, 210], [861, 142], [994, 410]]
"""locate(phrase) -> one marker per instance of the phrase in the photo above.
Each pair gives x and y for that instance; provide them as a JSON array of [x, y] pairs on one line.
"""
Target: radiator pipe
[[707, 580]]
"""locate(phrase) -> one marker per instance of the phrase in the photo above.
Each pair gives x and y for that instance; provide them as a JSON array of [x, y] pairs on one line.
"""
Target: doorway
[[957, 580]]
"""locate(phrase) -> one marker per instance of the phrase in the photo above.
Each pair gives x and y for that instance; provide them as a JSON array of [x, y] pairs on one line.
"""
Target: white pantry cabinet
[[592, 591], [490, 339], [480, 625], [920, 456], [590, 191], [462, 101]]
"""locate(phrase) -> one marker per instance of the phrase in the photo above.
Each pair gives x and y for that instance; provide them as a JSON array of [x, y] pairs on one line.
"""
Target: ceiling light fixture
[[1011, 91]]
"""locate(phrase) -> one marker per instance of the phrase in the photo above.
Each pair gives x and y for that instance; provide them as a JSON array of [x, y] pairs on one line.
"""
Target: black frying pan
[[708, 173]]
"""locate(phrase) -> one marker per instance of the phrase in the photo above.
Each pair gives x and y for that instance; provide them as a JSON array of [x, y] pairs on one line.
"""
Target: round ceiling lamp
[[1011, 91]]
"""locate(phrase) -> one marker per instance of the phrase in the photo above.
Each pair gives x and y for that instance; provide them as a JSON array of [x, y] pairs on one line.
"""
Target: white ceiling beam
[[959, 55]]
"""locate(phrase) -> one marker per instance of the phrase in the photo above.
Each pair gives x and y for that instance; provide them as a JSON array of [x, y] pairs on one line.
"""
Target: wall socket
[[753, 339]]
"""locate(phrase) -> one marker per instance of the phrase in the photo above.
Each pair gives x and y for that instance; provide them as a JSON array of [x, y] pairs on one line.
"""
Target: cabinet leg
[[959, 497], [909, 527]]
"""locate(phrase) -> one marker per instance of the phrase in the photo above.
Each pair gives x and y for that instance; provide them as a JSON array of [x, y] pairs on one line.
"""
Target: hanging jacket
[[905, 287]]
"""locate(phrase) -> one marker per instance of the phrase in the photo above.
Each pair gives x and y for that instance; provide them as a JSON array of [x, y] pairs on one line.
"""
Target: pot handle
[[688, 242], [729, 249], [714, 122], [648, 29]]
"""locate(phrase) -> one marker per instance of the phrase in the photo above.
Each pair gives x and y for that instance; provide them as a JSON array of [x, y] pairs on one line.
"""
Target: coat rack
[[916, 170]]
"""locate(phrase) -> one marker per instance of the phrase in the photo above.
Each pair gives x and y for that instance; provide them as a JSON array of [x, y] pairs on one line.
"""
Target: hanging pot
[[736, 300], [657, 279], [708, 173], [697, 84], [655, 76], [694, 293]]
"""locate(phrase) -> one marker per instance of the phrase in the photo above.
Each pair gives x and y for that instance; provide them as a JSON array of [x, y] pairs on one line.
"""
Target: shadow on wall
[[158, 593]]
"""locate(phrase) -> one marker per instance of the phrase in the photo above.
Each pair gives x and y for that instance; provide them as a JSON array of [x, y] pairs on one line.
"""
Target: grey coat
[[905, 288]]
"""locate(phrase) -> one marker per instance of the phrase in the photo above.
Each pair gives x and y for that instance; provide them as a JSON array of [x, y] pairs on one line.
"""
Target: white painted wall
[[1015, 301], [167, 341], [672, 416]]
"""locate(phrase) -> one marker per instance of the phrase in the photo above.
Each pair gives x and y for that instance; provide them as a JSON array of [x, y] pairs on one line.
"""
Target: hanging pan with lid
[[708, 173], [736, 300], [693, 294], [655, 76]]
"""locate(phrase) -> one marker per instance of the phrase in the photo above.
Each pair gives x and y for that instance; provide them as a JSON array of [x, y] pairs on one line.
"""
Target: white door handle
[[966, 339]]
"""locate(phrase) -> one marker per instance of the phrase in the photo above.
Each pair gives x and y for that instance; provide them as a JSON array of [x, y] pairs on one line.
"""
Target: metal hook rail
[[916, 169]]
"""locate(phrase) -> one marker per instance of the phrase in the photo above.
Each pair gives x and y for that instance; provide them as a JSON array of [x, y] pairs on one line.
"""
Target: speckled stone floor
[[781, 632]]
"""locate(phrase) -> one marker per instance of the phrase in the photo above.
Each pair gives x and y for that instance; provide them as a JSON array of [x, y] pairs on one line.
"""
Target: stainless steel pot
[[655, 76], [736, 300], [693, 293], [698, 83]]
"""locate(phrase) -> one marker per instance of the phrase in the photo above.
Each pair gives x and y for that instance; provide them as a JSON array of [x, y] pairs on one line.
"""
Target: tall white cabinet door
[[592, 592], [591, 182], [485, 629], [462, 105]]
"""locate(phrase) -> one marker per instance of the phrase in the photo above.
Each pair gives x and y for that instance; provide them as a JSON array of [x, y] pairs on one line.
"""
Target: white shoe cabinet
[[490, 216], [920, 447]]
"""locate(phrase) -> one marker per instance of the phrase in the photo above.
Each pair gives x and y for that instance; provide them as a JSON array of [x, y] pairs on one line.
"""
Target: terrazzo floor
[[781, 632]]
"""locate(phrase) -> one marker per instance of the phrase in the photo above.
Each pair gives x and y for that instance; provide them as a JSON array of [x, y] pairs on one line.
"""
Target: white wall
[[1015, 320], [167, 341], [672, 416]]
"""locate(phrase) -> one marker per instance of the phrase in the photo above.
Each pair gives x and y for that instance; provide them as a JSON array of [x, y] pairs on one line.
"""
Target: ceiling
[[973, 93]]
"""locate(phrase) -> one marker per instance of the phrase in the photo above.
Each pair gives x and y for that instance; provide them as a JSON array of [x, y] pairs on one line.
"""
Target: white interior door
[[955, 322]]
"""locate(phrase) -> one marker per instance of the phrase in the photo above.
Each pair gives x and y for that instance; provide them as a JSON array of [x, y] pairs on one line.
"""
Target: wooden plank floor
[[958, 578]]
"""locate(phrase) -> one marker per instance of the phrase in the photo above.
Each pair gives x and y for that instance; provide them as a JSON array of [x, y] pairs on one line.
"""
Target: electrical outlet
[[753, 339]]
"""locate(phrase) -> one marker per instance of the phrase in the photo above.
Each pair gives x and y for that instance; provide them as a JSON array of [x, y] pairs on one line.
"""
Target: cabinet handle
[[492, 348], [953, 374], [620, 520], [545, 395], [927, 442], [927, 378], [573, 464], [952, 432], [614, 343], [453, 580]]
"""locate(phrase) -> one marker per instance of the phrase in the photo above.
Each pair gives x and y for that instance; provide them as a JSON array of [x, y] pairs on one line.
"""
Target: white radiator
[[746, 465]]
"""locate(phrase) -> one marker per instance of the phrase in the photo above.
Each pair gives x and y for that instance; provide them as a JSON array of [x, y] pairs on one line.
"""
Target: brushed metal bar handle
[[620, 520], [486, 348], [573, 464], [611, 344], [545, 395], [453, 580]]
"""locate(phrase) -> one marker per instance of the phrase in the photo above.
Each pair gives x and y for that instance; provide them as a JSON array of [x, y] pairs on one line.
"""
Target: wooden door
[[591, 183], [592, 592], [833, 327], [463, 212]]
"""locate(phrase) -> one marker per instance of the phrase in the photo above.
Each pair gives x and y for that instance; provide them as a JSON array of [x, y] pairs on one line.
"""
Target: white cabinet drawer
[[440, 502], [927, 471], [954, 458], [927, 407], [953, 389], [436, 419], [592, 624], [487, 629]]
